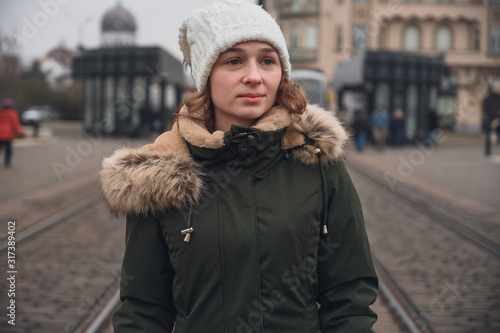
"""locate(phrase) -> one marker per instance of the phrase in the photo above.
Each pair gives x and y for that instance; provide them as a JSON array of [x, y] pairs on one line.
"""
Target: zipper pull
[[188, 233], [287, 154]]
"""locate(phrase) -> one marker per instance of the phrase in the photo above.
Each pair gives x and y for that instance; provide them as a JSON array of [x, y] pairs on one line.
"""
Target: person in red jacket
[[9, 126]]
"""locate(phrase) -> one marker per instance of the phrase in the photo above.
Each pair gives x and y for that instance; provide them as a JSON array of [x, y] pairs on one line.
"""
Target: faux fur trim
[[194, 131], [324, 129], [163, 175], [154, 178]]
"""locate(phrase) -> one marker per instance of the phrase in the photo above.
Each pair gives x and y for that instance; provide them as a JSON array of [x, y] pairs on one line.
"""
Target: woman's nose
[[252, 76]]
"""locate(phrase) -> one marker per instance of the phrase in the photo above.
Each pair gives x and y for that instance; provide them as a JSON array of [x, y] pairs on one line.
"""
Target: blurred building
[[128, 89], [323, 33], [118, 27], [56, 67]]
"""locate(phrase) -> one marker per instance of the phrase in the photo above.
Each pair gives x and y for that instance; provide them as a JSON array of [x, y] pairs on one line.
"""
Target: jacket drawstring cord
[[324, 218], [189, 229]]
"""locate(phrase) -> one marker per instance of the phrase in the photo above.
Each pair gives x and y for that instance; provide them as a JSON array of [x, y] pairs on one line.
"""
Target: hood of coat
[[163, 175]]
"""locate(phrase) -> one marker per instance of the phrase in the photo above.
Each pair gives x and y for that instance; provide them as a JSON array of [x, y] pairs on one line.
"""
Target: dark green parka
[[224, 230]]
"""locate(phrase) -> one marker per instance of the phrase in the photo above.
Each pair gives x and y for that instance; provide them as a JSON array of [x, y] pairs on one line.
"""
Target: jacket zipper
[[258, 244], [273, 162]]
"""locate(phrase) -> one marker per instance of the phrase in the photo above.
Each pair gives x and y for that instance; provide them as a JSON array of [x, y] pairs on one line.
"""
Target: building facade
[[128, 89], [56, 67], [324, 33]]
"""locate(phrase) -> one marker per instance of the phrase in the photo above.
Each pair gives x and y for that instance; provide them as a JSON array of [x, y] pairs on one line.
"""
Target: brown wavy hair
[[289, 95]]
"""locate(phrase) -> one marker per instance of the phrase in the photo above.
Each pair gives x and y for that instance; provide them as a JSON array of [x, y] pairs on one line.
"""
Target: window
[[411, 38], [495, 2], [296, 6], [382, 37], [311, 37], [312, 2], [294, 37], [443, 38], [495, 39], [476, 42], [411, 111], [412, 1], [445, 1], [496, 16], [360, 36], [361, 1], [340, 38], [382, 95]]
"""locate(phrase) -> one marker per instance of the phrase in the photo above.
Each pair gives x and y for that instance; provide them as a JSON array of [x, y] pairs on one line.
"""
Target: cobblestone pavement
[[454, 284], [63, 270], [78, 259], [458, 166]]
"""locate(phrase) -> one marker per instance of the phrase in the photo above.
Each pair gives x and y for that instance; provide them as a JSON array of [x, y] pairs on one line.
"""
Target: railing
[[440, 2], [466, 57], [303, 55], [456, 56], [290, 8]]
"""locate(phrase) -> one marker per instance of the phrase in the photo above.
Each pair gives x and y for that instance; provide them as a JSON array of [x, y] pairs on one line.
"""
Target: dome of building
[[118, 19]]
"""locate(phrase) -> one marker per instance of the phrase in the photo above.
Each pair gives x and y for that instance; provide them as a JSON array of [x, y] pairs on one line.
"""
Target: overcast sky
[[41, 25]]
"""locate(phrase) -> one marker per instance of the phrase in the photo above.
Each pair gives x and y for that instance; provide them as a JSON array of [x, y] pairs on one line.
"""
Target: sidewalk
[[457, 166]]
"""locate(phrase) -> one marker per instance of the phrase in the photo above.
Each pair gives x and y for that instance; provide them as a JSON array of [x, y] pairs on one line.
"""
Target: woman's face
[[243, 83]]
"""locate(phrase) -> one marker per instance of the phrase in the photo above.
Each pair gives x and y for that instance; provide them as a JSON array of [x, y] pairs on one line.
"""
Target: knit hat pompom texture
[[215, 28]]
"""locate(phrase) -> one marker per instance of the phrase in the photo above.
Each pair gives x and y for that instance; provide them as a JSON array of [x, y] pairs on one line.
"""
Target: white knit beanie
[[215, 28]]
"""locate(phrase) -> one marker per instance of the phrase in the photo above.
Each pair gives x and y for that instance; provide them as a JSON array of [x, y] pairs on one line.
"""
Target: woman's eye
[[268, 61], [233, 62]]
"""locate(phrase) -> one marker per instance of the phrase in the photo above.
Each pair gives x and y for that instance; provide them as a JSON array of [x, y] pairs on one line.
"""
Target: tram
[[314, 83]]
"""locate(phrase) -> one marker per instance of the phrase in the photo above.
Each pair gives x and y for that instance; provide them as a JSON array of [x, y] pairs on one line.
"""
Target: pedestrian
[[497, 127], [380, 127], [398, 128], [36, 127], [432, 127], [242, 218], [9, 127], [360, 126]]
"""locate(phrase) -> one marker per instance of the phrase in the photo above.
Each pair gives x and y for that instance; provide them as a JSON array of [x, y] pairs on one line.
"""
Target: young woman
[[242, 218]]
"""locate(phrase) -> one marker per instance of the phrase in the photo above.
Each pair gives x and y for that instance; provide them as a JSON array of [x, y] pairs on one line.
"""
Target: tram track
[[45, 202], [69, 222], [399, 302], [68, 247], [68, 267], [432, 278], [436, 215], [58, 217]]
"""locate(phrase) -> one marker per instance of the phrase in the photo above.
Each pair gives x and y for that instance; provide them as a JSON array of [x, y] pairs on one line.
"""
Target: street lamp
[[80, 29]]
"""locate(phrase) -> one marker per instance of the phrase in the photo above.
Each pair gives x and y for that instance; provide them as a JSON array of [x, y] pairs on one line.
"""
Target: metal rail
[[437, 216], [104, 315], [53, 219], [399, 302]]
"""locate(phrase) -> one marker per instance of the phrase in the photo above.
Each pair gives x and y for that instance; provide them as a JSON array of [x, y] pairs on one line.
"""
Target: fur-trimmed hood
[[163, 175]]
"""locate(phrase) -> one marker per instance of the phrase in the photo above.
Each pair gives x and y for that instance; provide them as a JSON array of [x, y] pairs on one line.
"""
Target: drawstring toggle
[[188, 233]]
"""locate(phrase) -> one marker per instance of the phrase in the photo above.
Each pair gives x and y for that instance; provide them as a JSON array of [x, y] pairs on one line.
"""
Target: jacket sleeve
[[146, 281], [347, 280]]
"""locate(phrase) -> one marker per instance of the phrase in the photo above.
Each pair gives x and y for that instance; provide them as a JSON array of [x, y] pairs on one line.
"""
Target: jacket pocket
[[313, 317]]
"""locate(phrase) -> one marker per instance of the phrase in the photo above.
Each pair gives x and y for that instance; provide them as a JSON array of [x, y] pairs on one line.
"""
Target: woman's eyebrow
[[240, 50], [268, 50]]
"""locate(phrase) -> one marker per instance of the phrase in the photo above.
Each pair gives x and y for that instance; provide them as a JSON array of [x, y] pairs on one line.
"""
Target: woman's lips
[[251, 98]]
